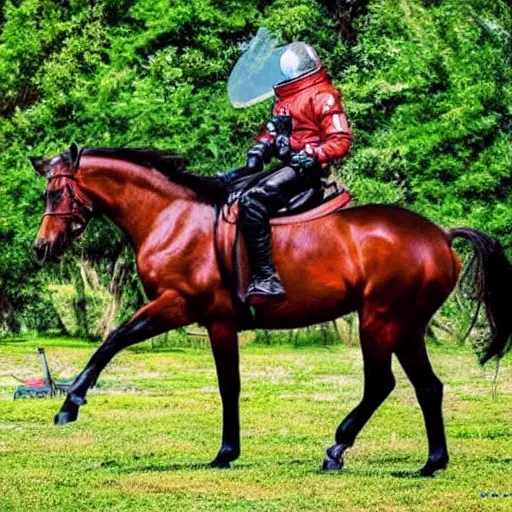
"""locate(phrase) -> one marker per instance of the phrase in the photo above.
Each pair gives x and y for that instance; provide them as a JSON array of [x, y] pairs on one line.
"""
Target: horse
[[393, 267]]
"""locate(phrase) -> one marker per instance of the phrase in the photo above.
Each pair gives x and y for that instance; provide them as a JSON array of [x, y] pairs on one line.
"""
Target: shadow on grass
[[177, 466], [310, 466], [394, 459], [411, 474], [499, 460], [202, 466]]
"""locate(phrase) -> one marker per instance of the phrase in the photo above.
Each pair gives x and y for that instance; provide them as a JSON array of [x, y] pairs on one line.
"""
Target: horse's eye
[[55, 196]]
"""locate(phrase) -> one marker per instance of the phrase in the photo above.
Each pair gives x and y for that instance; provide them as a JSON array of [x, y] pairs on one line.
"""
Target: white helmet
[[298, 59]]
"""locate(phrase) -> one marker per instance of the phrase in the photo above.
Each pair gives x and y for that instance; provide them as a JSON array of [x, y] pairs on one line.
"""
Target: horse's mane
[[170, 164]]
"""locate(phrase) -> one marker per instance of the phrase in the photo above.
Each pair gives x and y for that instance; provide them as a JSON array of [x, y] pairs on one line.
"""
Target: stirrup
[[265, 289]]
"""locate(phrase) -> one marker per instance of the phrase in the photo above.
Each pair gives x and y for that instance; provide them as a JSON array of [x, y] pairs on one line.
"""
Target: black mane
[[169, 164]]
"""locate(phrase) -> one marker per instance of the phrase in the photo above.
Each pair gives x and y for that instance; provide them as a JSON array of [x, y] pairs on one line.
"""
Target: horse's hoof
[[227, 454], [433, 465], [331, 465], [64, 417], [219, 464], [334, 458]]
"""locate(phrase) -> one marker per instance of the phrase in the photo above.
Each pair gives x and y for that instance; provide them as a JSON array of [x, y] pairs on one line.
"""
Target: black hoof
[[226, 455], [334, 458], [331, 465], [64, 417], [219, 464], [433, 465]]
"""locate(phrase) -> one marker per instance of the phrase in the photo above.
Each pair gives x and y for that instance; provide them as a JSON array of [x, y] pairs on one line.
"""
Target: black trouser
[[257, 205]]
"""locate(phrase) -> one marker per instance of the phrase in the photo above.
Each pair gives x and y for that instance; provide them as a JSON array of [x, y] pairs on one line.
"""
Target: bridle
[[81, 206]]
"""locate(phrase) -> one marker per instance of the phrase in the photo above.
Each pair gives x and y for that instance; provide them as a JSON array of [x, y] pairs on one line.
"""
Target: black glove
[[304, 164], [280, 125], [259, 155], [281, 128], [282, 143]]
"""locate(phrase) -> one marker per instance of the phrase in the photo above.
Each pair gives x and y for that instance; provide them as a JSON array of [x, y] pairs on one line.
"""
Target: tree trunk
[[344, 13], [80, 305], [8, 318], [109, 318]]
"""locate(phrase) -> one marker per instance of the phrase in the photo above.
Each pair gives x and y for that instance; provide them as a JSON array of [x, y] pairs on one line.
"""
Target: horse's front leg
[[224, 341], [167, 312]]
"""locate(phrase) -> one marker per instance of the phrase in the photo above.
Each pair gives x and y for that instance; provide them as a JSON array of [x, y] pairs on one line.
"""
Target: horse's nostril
[[40, 249]]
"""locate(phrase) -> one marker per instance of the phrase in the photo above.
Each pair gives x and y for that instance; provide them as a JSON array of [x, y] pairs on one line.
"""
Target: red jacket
[[319, 126]]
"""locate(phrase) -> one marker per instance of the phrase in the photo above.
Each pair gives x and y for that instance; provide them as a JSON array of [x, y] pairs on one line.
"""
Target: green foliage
[[430, 96], [316, 336], [427, 88]]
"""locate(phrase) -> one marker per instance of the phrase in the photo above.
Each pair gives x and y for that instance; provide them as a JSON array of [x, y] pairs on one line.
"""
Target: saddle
[[307, 206]]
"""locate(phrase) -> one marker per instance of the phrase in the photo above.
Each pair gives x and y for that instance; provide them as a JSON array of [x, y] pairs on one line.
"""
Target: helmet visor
[[257, 71]]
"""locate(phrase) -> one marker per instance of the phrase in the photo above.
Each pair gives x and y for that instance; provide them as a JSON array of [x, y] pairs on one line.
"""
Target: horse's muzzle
[[43, 251]]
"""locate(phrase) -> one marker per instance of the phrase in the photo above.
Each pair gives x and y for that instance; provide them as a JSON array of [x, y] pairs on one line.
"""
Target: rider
[[310, 105]]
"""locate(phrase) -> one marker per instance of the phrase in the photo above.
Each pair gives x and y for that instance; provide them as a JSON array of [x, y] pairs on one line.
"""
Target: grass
[[143, 440]]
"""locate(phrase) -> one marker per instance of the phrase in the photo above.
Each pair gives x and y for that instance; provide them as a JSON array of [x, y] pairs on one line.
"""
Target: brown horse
[[392, 266]]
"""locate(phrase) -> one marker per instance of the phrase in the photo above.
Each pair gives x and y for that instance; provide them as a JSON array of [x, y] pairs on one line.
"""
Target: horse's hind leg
[[378, 340], [413, 357]]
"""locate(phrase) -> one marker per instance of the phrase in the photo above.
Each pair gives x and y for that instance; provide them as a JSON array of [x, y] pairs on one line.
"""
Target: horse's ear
[[74, 153], [39, 165]]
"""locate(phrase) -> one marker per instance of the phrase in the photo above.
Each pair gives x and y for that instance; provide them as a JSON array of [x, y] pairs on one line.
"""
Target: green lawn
[[144, 438]]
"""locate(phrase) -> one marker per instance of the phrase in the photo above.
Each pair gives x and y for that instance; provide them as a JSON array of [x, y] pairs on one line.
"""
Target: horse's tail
[[493, 286]]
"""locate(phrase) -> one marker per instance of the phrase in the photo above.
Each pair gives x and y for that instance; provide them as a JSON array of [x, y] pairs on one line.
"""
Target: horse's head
[[67, 209]]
